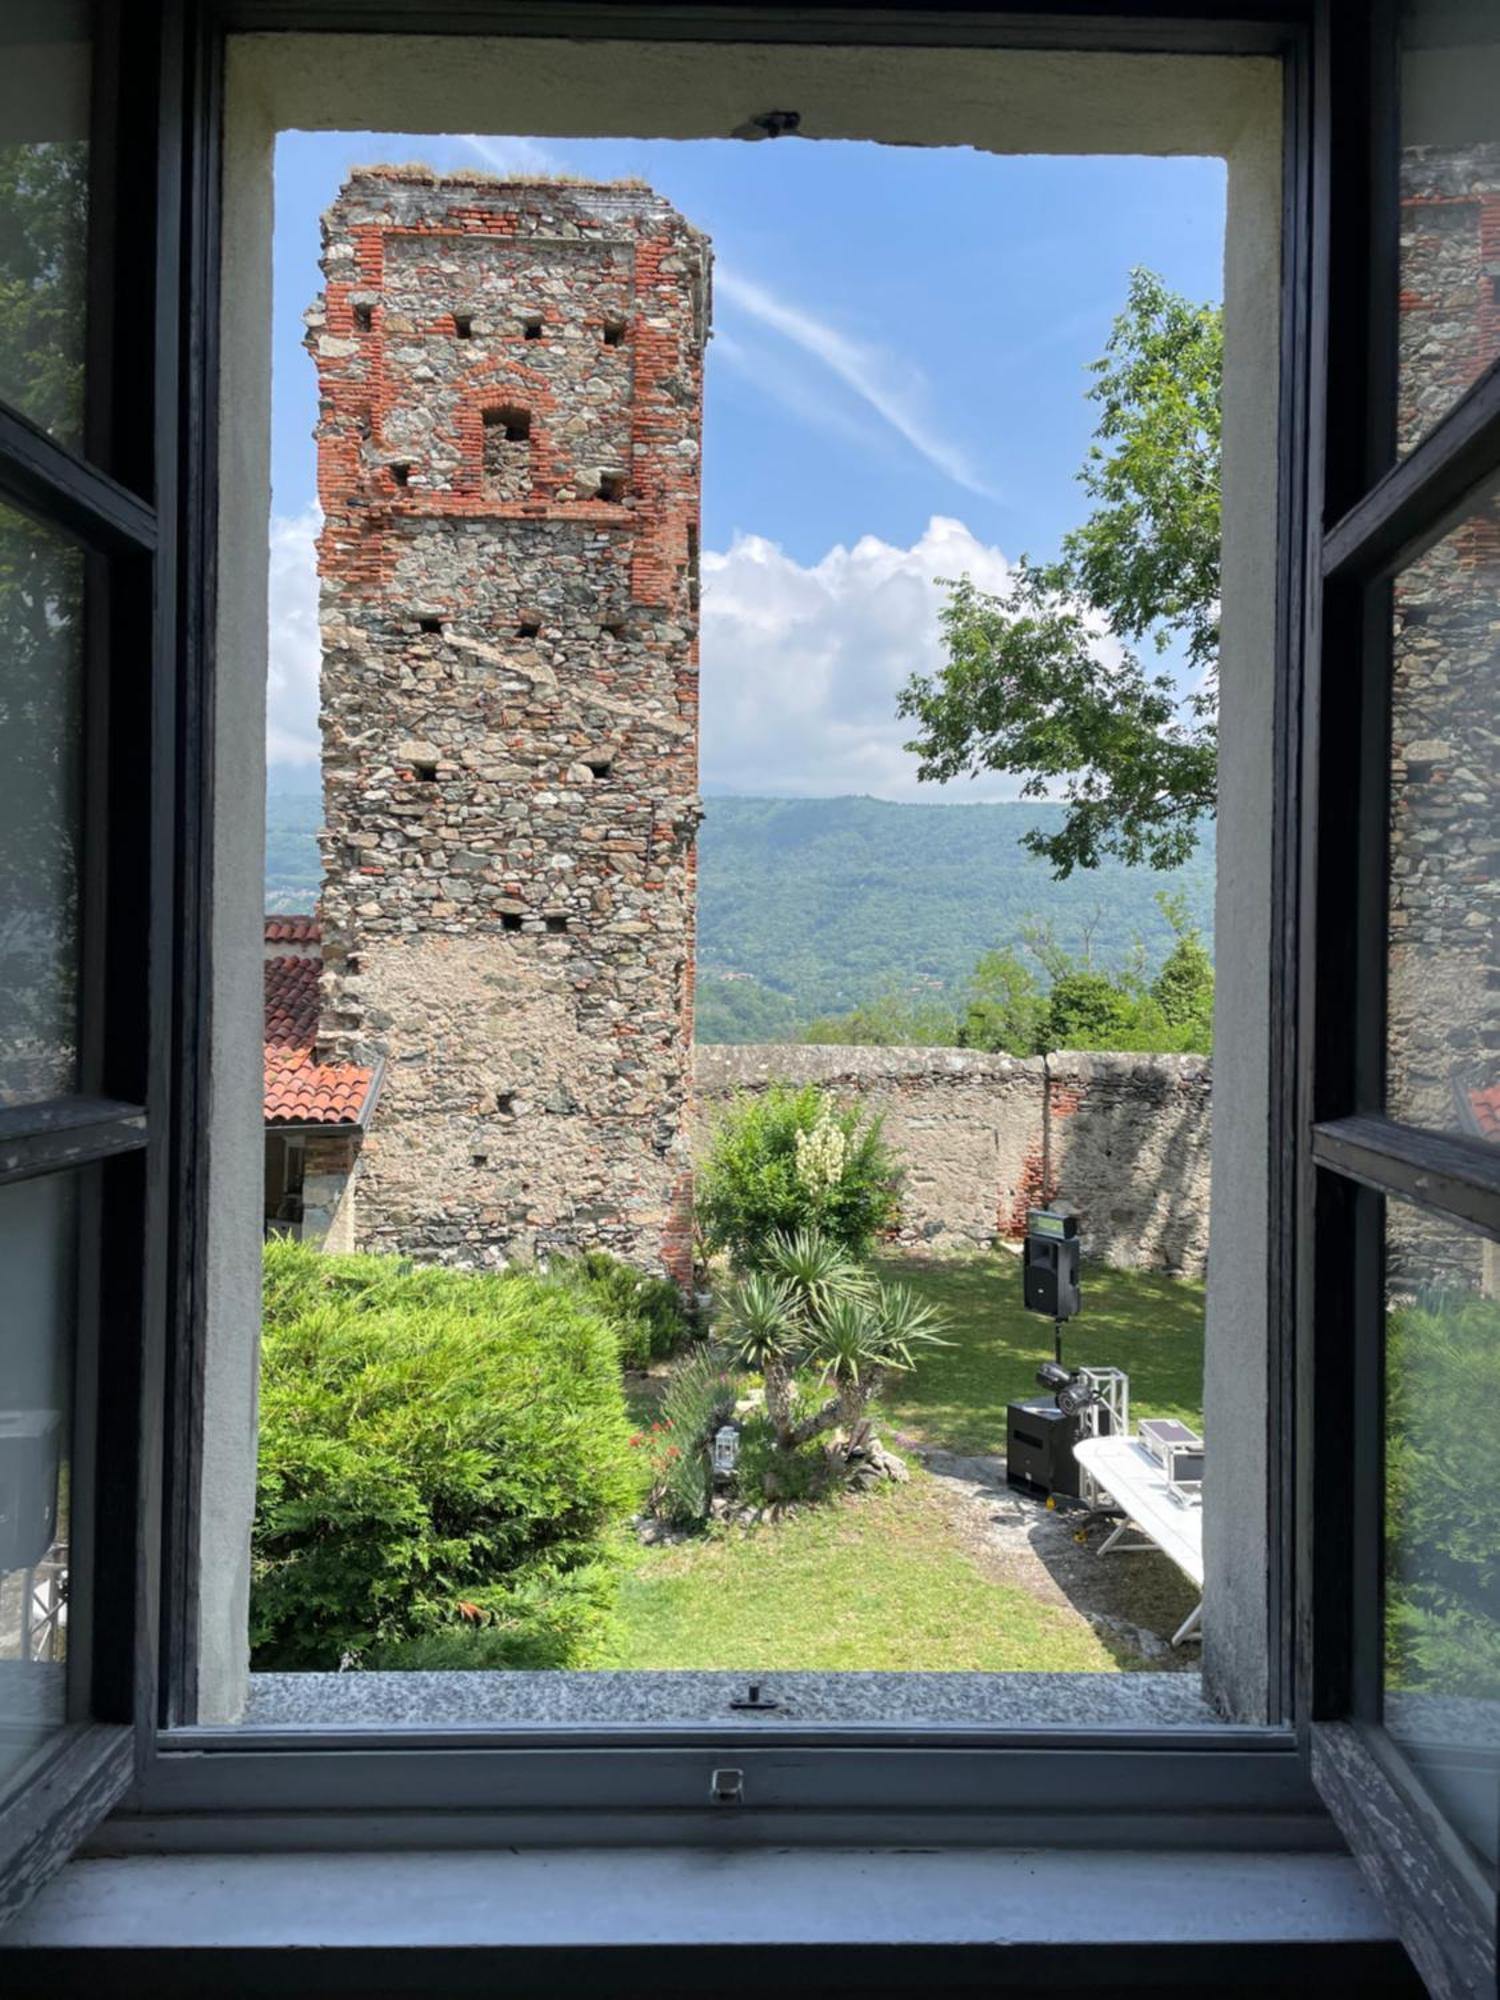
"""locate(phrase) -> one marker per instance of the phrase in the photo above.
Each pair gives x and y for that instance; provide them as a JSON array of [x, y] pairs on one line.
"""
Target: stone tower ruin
[[510, 415]]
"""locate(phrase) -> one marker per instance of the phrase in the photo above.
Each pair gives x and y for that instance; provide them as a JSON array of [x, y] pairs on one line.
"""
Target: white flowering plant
[[790, 1157]]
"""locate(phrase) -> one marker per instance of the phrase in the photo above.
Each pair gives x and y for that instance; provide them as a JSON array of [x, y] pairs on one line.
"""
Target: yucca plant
[[817, 1271], [863, 1336], [765, 1332]]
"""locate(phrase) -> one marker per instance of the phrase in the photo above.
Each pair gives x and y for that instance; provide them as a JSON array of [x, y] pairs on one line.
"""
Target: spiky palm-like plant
[[817, 1270], [765, 1331]]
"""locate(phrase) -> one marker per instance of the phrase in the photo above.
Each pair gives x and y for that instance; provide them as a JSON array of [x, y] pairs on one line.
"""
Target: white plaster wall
[[1236, 1355], [1000, 101]]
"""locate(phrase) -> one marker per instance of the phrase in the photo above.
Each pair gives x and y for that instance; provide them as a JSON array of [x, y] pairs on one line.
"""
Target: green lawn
[[876, 1581], [870, 1583], [1148, 1324]]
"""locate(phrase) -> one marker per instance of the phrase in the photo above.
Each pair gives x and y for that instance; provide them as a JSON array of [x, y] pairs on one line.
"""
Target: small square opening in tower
[[600, 766], [425, 774], [401, 474], [613, 628], [507, 452], [505, 1103], [463, 326], [531, 326], [431, 626], [612, 486], [529, 628], [364, 319], [614, 332], [510, 920], [557, 924]]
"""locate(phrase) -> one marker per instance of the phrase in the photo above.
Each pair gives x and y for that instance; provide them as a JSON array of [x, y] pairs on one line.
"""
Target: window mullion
[[1451, 1176], [56, 486]]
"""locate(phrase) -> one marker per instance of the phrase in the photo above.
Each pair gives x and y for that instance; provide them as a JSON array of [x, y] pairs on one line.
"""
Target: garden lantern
[[726, 1451]]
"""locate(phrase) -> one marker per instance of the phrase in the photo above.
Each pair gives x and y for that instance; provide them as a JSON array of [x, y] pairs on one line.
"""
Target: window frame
[[119, 1130], [1382, 512], [896, 1777]]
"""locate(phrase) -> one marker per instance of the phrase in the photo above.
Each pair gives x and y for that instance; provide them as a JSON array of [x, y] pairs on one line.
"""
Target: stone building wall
[[1125, 1138], [509, 430]]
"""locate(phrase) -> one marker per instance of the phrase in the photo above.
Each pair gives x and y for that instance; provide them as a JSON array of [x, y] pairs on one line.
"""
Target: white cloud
[[802, 664], [511, 156], [292, 670], [896, 389]]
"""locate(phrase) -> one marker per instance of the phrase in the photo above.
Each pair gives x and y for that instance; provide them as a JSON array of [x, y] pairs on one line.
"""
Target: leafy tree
[[890, 1021], [1184, 987], [1006, 1010], [1040, 679]]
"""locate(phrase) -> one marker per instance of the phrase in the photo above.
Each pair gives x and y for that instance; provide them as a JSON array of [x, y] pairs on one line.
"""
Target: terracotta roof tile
[[299, 1091], [293, 930]]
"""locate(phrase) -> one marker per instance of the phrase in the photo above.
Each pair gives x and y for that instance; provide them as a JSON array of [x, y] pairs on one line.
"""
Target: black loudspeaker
[[1039, 1441], [1049, 1267]]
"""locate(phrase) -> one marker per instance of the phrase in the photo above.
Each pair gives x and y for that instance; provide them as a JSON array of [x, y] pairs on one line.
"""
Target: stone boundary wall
[[1125, 1138]]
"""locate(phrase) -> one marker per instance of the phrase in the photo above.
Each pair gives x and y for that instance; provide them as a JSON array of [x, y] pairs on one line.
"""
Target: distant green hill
[[810, 906]]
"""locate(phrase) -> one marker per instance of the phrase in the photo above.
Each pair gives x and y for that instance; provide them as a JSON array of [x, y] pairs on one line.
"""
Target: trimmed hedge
[[441, 1452]]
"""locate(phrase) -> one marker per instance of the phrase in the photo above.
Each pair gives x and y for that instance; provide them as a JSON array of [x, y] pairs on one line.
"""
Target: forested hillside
[[809, 907]]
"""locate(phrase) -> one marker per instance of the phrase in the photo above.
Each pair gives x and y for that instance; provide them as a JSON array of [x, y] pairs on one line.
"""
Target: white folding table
[[1137, 1483]]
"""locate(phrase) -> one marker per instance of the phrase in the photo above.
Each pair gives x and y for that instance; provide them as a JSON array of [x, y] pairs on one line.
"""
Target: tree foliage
[[1042, 680], [785, 1159]]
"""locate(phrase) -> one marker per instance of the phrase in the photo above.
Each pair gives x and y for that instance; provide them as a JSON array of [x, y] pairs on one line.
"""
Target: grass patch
[[873, 1583], [1142, 1321]]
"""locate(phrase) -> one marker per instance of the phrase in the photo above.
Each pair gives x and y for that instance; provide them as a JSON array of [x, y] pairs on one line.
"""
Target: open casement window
[[88, 243], [1398, 1230], [1380, 1175]]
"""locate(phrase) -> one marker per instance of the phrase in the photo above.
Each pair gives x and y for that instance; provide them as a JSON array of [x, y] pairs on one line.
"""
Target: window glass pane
[[38, 1254], [1442, 1540], [41, 744], [1443, 1016], [44, 110]]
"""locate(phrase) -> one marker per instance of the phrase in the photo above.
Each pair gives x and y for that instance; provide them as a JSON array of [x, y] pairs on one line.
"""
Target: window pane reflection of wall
[[39, 1257], [41, 749], [44, 162], [1442, 1546], [1450, 206]]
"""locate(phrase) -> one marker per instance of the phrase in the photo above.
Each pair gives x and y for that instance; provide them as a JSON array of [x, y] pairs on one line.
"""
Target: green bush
[[785, 1159], [436, 1447], [646, 1312]]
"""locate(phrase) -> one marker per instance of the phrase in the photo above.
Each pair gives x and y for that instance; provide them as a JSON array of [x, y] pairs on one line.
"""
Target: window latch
[[726, 1787]]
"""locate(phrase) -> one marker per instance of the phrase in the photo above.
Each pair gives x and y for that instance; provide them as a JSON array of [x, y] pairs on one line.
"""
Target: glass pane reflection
[[44, 163], [41, 750], [38, 1254], [1450, 206], [1443, 995]]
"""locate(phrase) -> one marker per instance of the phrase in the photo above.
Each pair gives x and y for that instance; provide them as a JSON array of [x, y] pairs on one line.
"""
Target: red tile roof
[[293, 930], [299, 1091]]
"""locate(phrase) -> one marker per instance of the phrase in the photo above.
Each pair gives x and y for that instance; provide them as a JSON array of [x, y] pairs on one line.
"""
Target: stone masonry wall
[[510, 418], [1125, 1138]]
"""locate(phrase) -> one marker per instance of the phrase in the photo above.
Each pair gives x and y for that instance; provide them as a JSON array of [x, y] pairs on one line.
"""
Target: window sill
[[1057, 1917], [564, 1700]]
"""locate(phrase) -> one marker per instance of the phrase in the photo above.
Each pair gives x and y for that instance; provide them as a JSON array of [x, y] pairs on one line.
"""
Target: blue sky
[[895, 390]]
